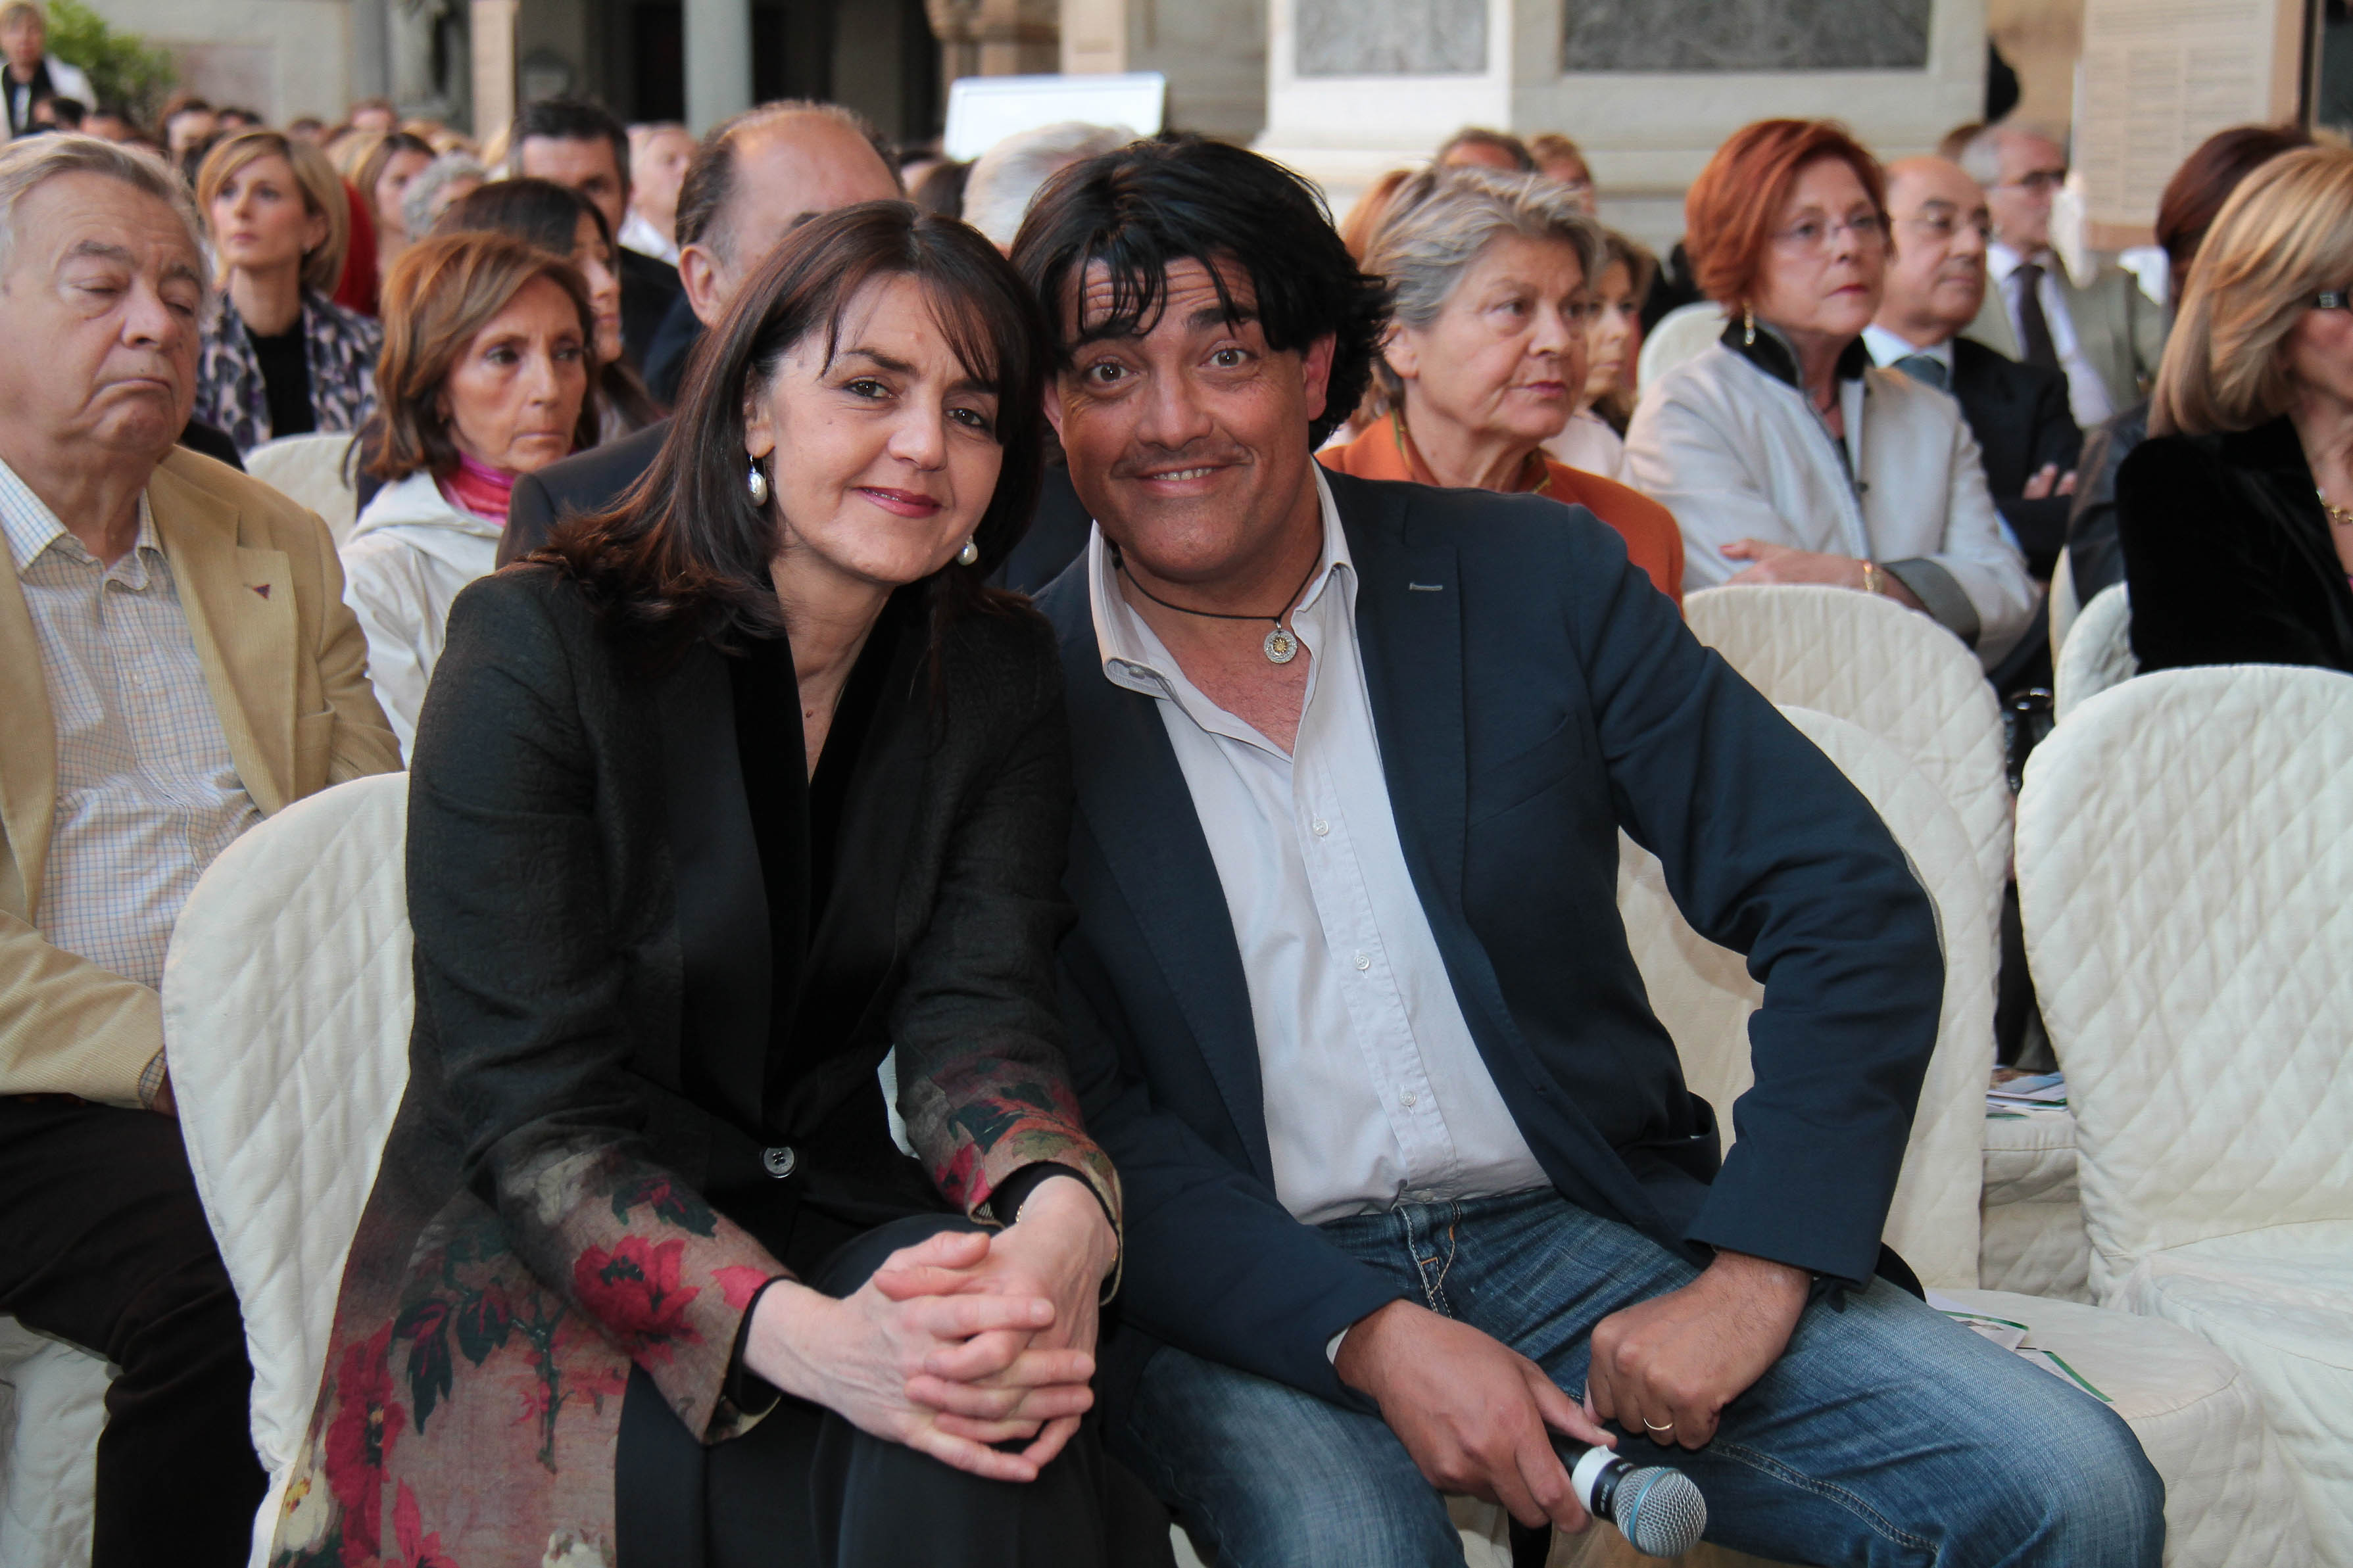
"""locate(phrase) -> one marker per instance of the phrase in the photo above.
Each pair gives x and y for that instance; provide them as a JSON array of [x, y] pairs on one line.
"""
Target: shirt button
[[779, 1161], [1364, 960], [1409, 1100], [1321, 827]]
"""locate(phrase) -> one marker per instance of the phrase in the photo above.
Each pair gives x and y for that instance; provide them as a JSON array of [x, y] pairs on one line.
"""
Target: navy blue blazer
[[1533, 693]]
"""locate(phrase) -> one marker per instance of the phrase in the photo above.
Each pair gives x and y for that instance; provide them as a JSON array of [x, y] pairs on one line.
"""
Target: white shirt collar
[[31, 527], [1132, 654], [1887, 347], [2002, 261]]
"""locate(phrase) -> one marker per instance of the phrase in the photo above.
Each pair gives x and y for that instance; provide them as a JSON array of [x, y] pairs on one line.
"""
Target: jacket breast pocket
[[1545, 765]]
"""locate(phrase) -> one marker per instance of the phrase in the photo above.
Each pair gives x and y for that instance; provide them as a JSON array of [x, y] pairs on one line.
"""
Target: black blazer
[[649, 286], [1533, 694], [2228, 553], [596, 479], [2019, 416], [2095, 558]]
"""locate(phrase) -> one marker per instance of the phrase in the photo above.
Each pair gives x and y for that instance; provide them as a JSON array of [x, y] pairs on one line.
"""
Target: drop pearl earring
[[970, 554], [757, 483]]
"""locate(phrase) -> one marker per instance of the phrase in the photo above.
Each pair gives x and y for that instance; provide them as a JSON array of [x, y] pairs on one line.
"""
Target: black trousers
[[104, 1243], [805, 1486]]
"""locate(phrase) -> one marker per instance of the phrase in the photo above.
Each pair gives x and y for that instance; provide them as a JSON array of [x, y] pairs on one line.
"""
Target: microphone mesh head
[[1659, 1512]]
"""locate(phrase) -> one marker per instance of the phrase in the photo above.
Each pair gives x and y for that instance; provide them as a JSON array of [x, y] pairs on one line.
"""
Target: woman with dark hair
[[559, 219], [716, 801], [1785, 454], [483, 379], [382, 180]]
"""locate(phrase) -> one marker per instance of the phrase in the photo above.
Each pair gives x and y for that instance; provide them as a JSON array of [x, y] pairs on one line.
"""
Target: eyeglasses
[[2036, 182], [1813, 235], [2333, 299], [1945, 225]]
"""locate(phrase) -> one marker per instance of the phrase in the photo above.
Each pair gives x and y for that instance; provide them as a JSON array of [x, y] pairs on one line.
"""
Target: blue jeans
[[1885, 1434]]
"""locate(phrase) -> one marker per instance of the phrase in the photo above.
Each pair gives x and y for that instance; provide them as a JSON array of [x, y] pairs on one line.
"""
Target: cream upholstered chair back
[[52, 1409], [1682, 333], [1703, 995], [286, 1003], [309, 469], [2185, 865], [2098, 653], [1869, 661], [2066, 604]]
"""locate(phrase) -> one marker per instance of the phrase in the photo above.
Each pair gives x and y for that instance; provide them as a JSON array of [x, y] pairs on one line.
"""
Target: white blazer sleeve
[[382, 585], [1980, 556], [1682, 451]]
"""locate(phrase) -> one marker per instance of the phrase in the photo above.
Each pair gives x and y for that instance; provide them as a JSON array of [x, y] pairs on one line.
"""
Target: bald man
[[755, 178], [1936, 285]]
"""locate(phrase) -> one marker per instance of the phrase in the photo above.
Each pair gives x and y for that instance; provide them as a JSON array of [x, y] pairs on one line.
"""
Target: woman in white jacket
[[483, 378], [1784, 454]]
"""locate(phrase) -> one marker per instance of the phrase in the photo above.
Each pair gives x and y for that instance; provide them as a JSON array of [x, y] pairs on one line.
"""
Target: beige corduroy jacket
[[263, 592]]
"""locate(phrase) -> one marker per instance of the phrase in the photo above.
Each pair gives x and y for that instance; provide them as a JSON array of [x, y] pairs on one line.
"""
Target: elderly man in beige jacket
[[176, 663]]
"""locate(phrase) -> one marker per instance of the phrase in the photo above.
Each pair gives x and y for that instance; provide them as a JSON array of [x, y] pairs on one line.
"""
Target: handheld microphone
[[1659, 1510]]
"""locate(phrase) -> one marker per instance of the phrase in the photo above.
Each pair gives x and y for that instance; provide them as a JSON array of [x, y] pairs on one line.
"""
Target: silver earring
[[757, 483], [969, 555]]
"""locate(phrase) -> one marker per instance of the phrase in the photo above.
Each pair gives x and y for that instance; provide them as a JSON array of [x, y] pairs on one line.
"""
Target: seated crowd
[[1169, 671]]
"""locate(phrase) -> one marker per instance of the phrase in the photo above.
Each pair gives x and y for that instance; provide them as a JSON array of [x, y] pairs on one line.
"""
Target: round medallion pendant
[[1281, 647]]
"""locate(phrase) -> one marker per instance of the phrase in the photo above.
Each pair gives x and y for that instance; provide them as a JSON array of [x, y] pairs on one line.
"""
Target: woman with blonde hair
[[1594, 439], [279, 357], [2236, 514], [484, 379]]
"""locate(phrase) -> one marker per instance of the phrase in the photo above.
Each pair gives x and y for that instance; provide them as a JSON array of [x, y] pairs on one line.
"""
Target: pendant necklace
[[1281, 647]]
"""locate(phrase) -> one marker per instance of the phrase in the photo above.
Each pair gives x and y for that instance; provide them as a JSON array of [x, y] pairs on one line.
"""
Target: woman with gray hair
[[1004, 178], [1485, 358], [438, 187]]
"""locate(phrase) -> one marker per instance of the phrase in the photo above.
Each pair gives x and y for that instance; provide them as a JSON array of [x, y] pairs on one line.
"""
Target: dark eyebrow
[[883, 361]]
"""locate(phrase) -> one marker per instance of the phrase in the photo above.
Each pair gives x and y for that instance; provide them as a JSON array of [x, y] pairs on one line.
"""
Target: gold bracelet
[[1870, 576]]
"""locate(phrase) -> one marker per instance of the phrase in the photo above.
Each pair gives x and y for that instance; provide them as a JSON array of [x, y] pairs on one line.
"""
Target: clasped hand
[[960, 1343]]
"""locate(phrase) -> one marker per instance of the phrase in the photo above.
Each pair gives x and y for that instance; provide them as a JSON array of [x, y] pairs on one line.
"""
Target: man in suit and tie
[[2105, 337], [581, 145], [176, 663], [1414, 1184], [2019, 412]]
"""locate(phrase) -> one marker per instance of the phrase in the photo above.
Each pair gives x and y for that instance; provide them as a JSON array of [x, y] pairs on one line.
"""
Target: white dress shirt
[[2088, 394], [1375, 1092], [1887, 347], [147, 791], [641, 236]]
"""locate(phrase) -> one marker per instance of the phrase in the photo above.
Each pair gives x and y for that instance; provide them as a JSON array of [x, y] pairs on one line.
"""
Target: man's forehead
[[73, 210], [1190, 290], [1932, 187]]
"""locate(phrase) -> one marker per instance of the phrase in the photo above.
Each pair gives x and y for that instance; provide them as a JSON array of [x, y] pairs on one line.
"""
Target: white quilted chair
[[2196, 1415], [286, 1008], [2098, 653], [2066, 604], [1682, 333], [2030, 1218], [309, 471], [1865, 658], [51, 1412], [2185, 870]]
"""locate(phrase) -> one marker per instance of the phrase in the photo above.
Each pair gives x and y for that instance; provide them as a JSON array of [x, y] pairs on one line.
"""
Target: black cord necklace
[[1280, 647]]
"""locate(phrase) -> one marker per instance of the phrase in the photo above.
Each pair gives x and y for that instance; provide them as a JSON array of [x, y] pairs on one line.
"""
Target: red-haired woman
[[1784, 454]]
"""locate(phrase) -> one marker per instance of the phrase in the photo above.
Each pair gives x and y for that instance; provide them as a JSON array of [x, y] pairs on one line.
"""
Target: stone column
[[996, 38], [370, 48], [491, 25], [718, 61]]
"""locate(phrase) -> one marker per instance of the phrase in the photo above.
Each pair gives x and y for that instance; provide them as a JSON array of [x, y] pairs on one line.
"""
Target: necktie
[[1926, 369], [2033, 326]]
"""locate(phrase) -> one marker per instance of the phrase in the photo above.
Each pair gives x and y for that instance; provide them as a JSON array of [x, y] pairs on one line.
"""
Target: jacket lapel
[[1134, 801], [1409, 626], [722, 906], [239, 605], [28, 741]]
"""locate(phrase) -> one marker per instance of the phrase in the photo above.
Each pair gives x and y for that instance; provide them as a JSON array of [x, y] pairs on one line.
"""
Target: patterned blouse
[[340, 349]]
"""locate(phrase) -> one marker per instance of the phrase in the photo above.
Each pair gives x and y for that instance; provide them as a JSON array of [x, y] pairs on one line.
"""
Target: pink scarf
[[478, 489]]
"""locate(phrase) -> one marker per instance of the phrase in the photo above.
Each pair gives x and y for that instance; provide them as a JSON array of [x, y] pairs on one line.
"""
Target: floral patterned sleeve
[[984, 1085], [518, 986]]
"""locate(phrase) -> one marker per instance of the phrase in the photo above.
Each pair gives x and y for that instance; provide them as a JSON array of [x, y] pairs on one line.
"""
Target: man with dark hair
[[1411, 1164], [577, 143], [752, 179], [1476, 146]]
